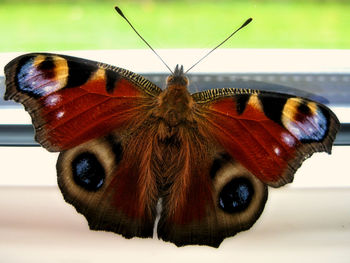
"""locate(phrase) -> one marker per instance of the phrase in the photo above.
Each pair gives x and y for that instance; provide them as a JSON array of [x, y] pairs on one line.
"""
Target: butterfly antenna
[[234, 32], [123, 16]]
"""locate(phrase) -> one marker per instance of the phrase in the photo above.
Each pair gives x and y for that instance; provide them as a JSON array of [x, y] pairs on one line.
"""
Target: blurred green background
[[87, 24]]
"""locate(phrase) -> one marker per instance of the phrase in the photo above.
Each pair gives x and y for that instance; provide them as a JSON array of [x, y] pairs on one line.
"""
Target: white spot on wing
[[288, 139], [52, 100], [277, 151], [60, 114], [50, 88]]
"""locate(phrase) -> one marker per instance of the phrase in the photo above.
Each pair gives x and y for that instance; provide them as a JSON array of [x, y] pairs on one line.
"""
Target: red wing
[[72, 100], [212, 196], [271, 134]]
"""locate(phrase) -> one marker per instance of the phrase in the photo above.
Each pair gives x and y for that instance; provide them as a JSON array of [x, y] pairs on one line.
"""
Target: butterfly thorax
[[175, 102]]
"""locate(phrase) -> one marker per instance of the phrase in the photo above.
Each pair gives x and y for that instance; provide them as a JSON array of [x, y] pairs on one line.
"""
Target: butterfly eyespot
[[47, 67], [304, 109], [236, 195], [88, 171]]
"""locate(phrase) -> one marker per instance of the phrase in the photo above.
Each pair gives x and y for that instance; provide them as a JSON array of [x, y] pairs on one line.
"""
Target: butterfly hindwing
[[72, 100], [94, 179], [220, 202]]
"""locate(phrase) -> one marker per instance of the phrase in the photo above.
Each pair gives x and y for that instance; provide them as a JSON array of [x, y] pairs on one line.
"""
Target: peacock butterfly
[[131, 152]]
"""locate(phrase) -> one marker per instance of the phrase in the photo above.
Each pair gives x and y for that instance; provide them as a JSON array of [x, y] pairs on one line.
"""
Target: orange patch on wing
[[98, 75]]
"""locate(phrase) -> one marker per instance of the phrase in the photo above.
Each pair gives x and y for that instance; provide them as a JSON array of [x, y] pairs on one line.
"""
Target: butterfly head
[[178, 78], [179, 70]]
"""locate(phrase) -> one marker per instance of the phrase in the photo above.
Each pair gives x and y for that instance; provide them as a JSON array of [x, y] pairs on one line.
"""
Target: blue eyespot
[[236, 195], [88, 172]]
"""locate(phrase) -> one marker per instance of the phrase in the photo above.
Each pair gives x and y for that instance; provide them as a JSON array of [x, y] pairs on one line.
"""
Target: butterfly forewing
[[72, 100]]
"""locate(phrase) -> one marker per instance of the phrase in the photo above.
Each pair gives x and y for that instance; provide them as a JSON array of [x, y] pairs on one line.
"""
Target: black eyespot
[[304, 109], [88, 171], [236, 195], [47, 66]]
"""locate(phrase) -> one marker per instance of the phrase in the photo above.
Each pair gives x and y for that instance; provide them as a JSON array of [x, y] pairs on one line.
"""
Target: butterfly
[[132, 153]]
